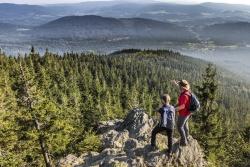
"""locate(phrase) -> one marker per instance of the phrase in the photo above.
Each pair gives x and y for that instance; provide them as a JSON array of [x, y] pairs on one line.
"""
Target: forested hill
[[50, 105], [228, 32], [97, 27]]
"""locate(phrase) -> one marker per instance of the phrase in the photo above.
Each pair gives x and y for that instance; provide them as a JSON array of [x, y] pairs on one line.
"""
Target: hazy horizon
[[40, 2]]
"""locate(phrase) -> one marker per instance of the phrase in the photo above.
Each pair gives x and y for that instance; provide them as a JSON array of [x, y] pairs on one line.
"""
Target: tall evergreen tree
[[28, 99], [208, 121], [9, 154], [38, 118], [32, 50]]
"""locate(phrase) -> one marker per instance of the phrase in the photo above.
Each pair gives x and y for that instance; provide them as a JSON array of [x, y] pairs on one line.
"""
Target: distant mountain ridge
[[24, 14], [37, 14], [233, 32], [92, 26], [227, 7], [80, 21], [114, 24]]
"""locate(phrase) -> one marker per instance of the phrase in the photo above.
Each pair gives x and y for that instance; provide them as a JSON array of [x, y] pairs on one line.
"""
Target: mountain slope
[[37, 15], [226, 7], [236, 32], [91, 26], [7, 28], [24, 14]]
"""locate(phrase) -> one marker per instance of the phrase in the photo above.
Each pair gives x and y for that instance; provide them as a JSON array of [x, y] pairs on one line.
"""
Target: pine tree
[[28, 98], [208, 121], [43, 127], [8, 111], [32, 50], [133, 100]]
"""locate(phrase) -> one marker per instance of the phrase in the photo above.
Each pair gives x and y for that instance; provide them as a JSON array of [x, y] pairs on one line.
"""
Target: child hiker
[[166, 123]]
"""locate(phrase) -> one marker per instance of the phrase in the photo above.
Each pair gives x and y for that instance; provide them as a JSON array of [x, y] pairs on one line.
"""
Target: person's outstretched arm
[[175, 82], [177, 107]]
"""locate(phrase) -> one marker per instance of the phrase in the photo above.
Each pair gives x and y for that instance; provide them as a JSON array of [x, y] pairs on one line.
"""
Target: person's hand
[[175, 82]]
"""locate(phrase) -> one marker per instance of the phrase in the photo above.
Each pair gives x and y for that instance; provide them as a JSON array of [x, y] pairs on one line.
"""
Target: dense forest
[[50, 105]]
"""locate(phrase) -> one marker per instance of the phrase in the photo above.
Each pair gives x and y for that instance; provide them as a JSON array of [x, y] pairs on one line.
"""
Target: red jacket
[[184, 98]]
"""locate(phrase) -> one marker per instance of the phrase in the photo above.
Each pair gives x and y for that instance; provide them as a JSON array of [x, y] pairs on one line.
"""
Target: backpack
[[194, 103], [167, 117]]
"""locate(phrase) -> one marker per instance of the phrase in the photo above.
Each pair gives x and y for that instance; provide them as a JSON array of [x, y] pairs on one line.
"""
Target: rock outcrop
[[126, 144]]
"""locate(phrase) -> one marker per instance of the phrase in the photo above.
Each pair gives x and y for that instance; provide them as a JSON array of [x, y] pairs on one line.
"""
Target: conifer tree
[[41, 123], [32, 50], [8, 112], [208, 121], [28, 99]]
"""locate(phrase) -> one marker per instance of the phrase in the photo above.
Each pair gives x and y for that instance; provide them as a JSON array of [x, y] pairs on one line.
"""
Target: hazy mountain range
[[232, 33], [221, 23], [97, 27], [37, 15]]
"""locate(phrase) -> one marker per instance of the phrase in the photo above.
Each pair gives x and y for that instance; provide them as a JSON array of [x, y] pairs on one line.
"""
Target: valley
[[214, 32]]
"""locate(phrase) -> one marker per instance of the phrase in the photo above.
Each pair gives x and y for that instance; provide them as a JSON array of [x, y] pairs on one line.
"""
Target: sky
[[247, 2]]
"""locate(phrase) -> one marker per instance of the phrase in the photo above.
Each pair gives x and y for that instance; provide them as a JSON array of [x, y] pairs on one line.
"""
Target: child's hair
[[166, 98]]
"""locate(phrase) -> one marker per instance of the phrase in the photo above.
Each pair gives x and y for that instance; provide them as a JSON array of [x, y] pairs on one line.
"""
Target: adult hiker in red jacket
[[183, 109]]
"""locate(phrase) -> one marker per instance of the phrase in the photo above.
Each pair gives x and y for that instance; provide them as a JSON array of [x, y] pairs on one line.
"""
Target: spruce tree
[[208, 121], [29, 103], [9, 153], [32, 50], [43, 127]]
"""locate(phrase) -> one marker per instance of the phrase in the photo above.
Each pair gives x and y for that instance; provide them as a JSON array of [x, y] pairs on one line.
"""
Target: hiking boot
[[169, 152], [189, 139], [183, 144]]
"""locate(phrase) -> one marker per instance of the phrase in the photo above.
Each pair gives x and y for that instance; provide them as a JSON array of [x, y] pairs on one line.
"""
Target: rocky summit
[[126, 143]]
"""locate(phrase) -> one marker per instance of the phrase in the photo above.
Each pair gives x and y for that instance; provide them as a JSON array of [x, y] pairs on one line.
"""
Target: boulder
[[126, 144], [138, 124], [71, 160], [115, 139]]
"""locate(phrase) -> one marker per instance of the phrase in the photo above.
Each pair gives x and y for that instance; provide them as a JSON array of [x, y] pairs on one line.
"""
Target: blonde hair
[[166, 98], [184, 84]]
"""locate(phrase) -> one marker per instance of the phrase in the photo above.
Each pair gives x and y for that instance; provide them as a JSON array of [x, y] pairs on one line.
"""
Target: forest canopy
[[50, 105]]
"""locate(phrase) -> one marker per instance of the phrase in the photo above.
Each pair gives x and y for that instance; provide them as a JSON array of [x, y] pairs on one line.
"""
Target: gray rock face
[[126, 144]]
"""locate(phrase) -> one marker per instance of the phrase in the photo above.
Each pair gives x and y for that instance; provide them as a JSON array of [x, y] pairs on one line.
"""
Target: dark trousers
[[159, 129]]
